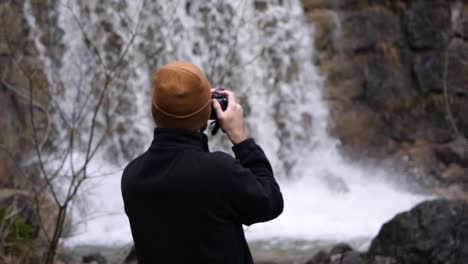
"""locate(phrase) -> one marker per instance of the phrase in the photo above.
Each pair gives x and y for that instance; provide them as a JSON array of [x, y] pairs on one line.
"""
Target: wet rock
[[421, 156], [349, 4], [340, 249], [421, 118], [321, 257], [95, 258], [4, 49], [335, 4], [260, 5], [385, 84], [67, 258], [360, 130], [457, 67], [432, 232], [429, 71], [114, 41], [454, 173], [453, 152], [4, 177], [383, 260], [428, 24], [363, 30], [335, 183], [455, 191], [324, 26], [345, 79], [340, 254], [462, 27], [315, 4], [439, 132], [352, 257], [13, 24]]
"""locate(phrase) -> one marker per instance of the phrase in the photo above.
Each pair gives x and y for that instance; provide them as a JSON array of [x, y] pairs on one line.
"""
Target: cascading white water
[[263, 50]]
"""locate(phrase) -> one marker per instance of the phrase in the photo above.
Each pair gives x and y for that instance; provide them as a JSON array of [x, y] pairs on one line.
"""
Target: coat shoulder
[[220, 165], [130, 170], [220, 159], [132, 165]]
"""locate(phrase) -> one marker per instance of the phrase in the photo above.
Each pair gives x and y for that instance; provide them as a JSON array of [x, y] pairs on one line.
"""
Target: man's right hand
[[231, 120]]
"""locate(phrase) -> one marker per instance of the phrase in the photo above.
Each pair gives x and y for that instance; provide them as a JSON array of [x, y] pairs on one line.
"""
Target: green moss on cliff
[[16, 235]]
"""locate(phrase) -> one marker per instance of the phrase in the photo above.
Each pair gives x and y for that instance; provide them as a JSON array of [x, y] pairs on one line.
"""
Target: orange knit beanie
[[181, 96]]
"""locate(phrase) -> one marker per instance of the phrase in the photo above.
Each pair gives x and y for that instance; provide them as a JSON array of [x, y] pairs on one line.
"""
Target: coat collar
[[179, 138]]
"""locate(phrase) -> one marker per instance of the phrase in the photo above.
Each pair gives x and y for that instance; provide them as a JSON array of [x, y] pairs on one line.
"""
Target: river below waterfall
[[263, 50]]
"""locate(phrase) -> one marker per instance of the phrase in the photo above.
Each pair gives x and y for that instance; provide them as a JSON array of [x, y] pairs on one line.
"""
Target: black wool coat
[[186, 204]]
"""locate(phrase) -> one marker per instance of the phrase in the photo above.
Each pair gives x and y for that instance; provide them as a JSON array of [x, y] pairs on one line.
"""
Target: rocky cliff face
[[25, 88], [397, 84], [14, 51], [24, 85]]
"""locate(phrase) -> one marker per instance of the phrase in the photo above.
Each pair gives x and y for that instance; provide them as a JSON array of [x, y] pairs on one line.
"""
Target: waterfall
[[263, 50]]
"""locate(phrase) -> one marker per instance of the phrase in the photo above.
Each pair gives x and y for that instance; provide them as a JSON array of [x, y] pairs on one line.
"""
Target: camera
[[222, 100]]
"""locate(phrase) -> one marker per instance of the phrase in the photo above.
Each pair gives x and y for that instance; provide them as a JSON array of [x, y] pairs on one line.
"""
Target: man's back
[[187, 205]]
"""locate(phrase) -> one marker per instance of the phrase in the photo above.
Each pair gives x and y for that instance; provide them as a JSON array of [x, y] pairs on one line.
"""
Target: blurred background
[[361, 106]]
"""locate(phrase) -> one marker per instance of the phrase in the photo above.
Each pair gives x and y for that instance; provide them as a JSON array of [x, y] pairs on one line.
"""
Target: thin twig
[[447, 104]]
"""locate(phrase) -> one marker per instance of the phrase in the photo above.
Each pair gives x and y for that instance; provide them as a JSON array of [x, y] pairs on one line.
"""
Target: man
[[186, 204]]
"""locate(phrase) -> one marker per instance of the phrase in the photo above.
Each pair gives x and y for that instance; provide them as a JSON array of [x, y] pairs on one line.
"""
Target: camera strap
[[215, 127]]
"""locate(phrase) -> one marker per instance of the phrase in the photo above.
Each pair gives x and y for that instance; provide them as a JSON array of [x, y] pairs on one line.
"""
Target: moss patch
[[15, 234]]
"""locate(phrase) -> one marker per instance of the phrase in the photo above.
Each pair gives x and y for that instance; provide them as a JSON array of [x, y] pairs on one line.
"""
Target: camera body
[[222, 100]]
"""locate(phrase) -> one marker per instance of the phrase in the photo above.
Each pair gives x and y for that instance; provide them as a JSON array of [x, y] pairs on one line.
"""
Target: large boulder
[[432, 232]]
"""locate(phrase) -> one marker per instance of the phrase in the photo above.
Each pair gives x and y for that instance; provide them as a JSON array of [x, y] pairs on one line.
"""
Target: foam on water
[[266, 57], [313, 212]]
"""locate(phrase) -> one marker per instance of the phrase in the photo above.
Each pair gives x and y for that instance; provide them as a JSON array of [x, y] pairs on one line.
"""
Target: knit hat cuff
[[181, 116]]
